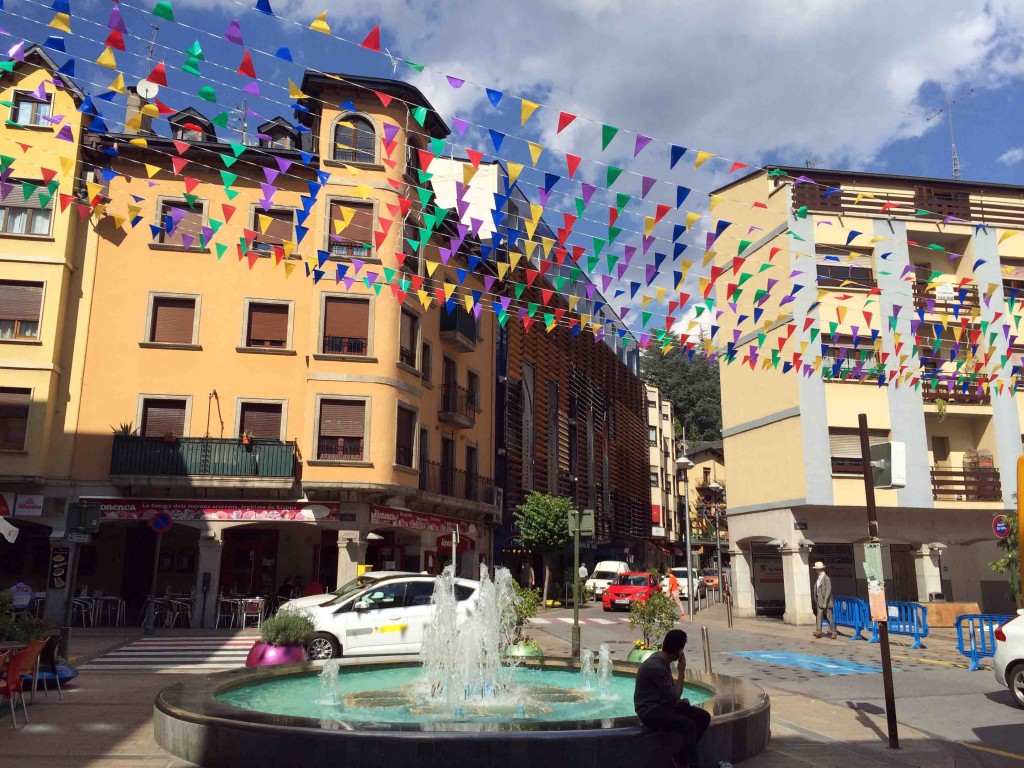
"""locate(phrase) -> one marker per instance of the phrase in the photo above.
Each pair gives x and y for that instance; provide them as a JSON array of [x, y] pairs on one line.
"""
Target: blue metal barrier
[[851, 612], [976, 636], [909, 619]]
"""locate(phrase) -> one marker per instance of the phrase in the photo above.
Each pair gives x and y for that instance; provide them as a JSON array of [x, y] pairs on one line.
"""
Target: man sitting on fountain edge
[[657, 699]]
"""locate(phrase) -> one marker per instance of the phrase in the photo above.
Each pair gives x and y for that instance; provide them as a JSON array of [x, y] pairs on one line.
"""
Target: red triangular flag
[[425, 158], [158, 75], [163, 109], [191, 184], [181, 146], [564, 118], [475, 157], [372, 40], [179, 164], [115, 40], [245, 68], [47, 175], [229, 211], [737, 166], [384, 98], [65, 200], [379, 238], [573, 162]]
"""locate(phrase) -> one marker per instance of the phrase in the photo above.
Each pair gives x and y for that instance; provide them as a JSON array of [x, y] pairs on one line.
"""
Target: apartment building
[[666, 523], [46, 271], [899, 303], [709, 524]]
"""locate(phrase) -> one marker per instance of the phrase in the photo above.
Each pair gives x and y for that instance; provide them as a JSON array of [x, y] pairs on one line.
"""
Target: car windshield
[[680, 573], [631, 581], [604, 575]]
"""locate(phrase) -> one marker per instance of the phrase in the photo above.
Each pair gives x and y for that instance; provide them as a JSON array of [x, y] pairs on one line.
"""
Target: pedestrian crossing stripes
[[196, 654], [541, 621]]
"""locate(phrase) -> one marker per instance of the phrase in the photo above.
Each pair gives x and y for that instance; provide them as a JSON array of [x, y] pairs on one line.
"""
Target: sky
[[837, 84]]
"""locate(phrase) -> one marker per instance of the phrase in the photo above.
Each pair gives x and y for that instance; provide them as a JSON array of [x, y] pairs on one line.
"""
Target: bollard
[[974, 649], [728, 608], [705, 638]]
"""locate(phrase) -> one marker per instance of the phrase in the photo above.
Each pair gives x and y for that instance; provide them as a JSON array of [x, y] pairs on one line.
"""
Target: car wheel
[[323, 646], [1015, 680]]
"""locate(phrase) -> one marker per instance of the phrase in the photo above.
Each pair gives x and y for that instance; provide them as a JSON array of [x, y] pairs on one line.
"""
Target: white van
[[603, 575]]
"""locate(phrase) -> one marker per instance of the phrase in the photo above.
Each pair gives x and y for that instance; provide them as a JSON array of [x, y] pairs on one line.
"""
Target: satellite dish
[[147, 90]]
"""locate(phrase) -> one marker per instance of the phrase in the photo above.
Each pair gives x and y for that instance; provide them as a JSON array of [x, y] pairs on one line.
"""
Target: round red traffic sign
[[1001, 526], [160, 522]]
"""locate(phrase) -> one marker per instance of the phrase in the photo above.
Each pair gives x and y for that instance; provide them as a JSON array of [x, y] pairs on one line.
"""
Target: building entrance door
[[249, 562], [904, 582]]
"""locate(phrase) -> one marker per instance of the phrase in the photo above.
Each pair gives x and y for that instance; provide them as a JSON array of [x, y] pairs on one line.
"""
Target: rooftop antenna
[[948, 109], [151, 45], [812, 162]]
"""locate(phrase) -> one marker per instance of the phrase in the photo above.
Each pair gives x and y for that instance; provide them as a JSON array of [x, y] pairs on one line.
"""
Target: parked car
[[385, 616], [1009, 657], [700, 588], [603, 575], [311, 601], [711, 578], [628, 588]]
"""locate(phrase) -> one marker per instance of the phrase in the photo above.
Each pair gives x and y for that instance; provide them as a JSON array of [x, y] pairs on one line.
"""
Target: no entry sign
[[1001, 526], [160, 522]]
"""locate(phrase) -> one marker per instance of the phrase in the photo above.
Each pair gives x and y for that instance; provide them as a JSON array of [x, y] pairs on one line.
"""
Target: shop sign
[[28, 506], [421, 521], [656, 514], [185, 509], [445, 543], [6, 504], [769, 572], [657, 531], [60, 561]]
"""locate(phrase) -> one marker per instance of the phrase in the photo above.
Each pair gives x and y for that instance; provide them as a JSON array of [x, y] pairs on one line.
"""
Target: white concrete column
[[796, 575], [742, 583], [208, 562], [926, 569], [351, 552]]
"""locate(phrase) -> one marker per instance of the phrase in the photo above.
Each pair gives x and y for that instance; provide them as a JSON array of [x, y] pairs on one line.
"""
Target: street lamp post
[[685, 464], [718, 534]]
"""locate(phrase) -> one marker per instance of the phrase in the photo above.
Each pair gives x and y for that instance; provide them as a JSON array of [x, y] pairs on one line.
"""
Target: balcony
[[458, 329], [457, 407], [456, 483], [339, 449], [271, 461], [344, 345], [954, 394], [931, 299], [978, 484]]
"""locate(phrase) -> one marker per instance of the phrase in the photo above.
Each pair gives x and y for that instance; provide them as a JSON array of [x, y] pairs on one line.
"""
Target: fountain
[[462, 695]]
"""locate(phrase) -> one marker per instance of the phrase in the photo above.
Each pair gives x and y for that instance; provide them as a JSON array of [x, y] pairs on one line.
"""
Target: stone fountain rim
[[195, 701]]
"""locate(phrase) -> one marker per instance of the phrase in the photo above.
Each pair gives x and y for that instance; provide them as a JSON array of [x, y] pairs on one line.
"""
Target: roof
[[702, 446], [315, 82], [275, 122], [35, 50], [797, 170]]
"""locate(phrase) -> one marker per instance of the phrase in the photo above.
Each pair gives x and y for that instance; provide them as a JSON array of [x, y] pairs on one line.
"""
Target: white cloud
[[1011, 156]]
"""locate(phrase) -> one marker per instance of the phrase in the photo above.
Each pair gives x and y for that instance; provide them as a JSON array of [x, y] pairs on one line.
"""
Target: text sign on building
[[28, 505], [183, 509], [421, 521], [6, 504]]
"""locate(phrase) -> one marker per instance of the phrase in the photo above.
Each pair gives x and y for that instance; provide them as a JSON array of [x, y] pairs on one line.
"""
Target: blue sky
[[849, 84]]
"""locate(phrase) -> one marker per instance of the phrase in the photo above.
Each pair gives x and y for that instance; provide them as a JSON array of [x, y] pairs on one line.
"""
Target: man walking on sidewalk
[[823, 600]]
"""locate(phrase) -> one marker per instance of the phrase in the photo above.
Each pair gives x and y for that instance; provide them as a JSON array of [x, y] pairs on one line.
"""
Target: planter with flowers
[[653, 617], [247, 437], [283, 640]]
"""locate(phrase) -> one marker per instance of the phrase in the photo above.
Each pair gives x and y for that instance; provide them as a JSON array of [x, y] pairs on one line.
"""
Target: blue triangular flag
[[348, 106], [317, 275], [108, 175], [322, 257], [56, 42], [284, 53], [324, 176], [494, 96], [263, 6], [678, 230], [68, 69], [87, 107], [496, 138], [61, 6], [681, 194], [677, 251], [154, 231], [550, 179], [307, 202], [306, 157], [96, 125], [677, 154], [300, 232]]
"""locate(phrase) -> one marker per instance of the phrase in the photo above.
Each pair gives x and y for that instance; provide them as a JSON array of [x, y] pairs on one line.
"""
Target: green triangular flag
[[621, 200], [195, 51], [221, 249], [425, 195], [237, 148], [190, 199], [44, 199], [6, 66], [206, 93], [612, 175], [231, 193], [599, 245], [613, 232], [417, 67], [419, 114], [221, 120], [27, 190], [191, 66], [607, 134], [163, 10], [215, 225], [744, 244], [531, 308], [6, 162], [580, 207], [228, 178], [424, 177], [389, 274], [228, 160], [437, 146], [519, 288]]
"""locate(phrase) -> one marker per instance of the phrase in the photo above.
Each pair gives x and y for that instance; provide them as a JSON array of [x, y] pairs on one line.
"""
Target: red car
[[629, 587]]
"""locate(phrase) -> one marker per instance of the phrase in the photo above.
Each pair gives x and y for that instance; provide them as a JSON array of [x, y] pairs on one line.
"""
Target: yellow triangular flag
[[468, 301], [449, 289], [531, 229], [288, 267], [150, 110], [528, 247], [119, 221], [62, 22], [649, 223], [709, 256], [294, 92], [502, 270], [702, 157], [320, 24], [468, 172], [431, 267], [289, 248], [536, 211], [138, 142], [862, 196], [661, 295], [118, 85], [264, 222], [152, 170], [363, 190], [546, 243], [715, 200], [67, 165], [573, 301], [691, 219], [535, 150], [106, 59], [1008, 234], [425, 298], [527, 109], [514, 169], [92, 189], [513, 259]]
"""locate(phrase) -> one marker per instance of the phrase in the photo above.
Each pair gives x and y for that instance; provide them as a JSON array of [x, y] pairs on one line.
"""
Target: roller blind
[[845, 443], [360, 223], [268, 325], [262, 419], [347, 318], [20, 301], [14, 405], [162, 416], [407, 332], [342, 418], [278, 226], [190, 223], [173, 320]]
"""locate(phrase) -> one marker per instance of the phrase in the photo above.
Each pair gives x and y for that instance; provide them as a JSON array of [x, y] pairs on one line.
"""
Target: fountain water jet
[[329, 684], [587, 669], [604, 670]]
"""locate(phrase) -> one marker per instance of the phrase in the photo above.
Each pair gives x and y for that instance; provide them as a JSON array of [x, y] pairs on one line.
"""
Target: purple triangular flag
[[357, 266], [271, 174], [283, 164], [460, 125], [588, 191], [187, 240], [234, 33], [114, 21], [390, 131], [645, 186], [252, 88], [641, 142]]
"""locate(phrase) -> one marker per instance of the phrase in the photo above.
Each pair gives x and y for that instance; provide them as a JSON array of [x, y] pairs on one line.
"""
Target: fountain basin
[[195, 722]]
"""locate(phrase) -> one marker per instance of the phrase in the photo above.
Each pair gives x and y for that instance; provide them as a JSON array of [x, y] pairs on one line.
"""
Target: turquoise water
[[398, 695]]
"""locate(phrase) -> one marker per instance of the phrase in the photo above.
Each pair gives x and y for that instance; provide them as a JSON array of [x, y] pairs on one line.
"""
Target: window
[[408, 337], [181, 223], [20, 307], [342, 430], [841, 358], [845, 268], [172, 320], [267, 325], [162, 417], [419, 593], [14, 405], [278, 140], [654, 479], [351, 229], [274, 228], [188, 134], [29, 110], [405, 436], [473, 473], [844, 446], [652, 404], [22, 211], [943, 202], [262, 420], [355, 140], [411, 244], [426, 363], [707, 475], [346, 326], [385, 596], [473, 385], [652, 436]]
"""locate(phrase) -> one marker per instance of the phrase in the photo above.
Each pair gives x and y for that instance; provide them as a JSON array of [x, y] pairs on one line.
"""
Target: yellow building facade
[[882, 272]]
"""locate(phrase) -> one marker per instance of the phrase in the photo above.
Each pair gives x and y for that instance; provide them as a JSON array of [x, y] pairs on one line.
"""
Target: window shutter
[[262, 419], [845, 443], [406, 422], [346, 318], [162, 416], [279, 229], [360, 227], [407, 331], [268, 325], [20, 301], [15, 196], [342, 418], [14, 405], [173, 320]]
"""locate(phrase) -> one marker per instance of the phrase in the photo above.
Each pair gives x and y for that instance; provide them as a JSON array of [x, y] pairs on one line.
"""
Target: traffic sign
[[160, 522], [80, 538], [1001, 526]]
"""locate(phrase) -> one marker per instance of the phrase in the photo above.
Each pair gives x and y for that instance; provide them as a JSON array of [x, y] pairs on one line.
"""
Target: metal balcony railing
[[978, 484], [459, 329], [344, 345], [457, 407], [954, 394], [926, 298], [340, 449], [456, 483], [185, 456], [403, 455]]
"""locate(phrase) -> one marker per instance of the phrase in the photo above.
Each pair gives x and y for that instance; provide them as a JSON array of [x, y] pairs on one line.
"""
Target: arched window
[[354, 139]]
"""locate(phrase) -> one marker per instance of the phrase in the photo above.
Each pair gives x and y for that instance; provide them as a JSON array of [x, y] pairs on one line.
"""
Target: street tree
[[691, 384], [1009, 563], [543, 522]]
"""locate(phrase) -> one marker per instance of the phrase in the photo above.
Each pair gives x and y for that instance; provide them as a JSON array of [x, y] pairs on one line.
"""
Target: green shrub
[[288, 628], [526, 604], [19, 627], [653, 617]]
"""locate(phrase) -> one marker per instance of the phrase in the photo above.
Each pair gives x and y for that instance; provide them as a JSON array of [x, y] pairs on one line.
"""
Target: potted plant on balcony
[[526, 603], [283, 640], [653, 617], [247, 437], [124, 429], [169, 437]]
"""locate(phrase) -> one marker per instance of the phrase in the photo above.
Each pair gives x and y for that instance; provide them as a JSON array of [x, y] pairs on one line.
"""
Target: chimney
[[133, 110]]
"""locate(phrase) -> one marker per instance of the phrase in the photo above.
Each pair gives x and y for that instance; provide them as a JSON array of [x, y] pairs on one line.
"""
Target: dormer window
[[190, 125], [278, 140], [188, 134], [29, 110]]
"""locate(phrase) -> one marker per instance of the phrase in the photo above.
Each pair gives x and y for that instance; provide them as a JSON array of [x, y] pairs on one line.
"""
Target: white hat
[[819, 566]]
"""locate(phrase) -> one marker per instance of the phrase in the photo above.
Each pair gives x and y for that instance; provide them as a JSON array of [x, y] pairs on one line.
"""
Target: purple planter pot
[[263, 655]]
